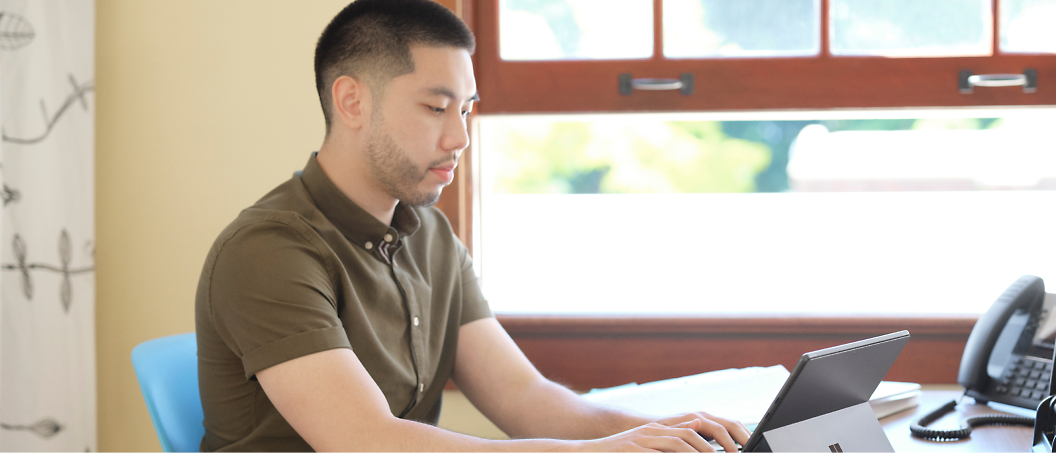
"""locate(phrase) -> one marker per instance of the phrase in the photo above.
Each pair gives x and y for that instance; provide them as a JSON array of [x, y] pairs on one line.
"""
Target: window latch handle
[[1028, 80], [683, 84]]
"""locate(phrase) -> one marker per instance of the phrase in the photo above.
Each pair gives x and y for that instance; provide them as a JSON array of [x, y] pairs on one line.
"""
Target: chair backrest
[[167, 370]]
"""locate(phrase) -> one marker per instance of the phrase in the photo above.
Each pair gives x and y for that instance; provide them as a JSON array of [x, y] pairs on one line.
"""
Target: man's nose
[[456, 137]]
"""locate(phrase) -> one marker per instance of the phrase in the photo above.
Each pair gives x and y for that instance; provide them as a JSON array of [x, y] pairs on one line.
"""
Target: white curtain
[[47, 293]]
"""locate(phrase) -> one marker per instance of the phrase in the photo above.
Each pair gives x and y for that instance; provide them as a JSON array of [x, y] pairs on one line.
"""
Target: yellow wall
[[203, 106]]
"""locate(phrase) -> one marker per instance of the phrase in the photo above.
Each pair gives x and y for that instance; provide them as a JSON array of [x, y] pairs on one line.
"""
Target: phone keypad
[[1026, 378]]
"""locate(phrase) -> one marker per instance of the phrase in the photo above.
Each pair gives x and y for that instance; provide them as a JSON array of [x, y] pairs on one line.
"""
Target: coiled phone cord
[[918, 429]]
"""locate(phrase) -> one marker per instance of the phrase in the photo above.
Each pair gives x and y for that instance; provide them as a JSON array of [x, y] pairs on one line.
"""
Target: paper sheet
[[742, 394]]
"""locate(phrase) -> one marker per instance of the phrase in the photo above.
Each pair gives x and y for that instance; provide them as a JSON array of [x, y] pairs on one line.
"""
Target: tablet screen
[[828, 380]]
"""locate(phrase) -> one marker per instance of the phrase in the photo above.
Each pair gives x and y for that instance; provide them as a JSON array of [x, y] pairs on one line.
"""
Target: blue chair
[[167, 370]]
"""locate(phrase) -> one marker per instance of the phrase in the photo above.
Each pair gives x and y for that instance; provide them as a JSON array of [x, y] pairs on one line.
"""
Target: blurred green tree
[[618, 156]]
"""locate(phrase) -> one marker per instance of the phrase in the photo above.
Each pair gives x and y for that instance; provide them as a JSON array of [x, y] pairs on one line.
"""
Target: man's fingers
[[684, 436], [741, 433], [680, 419], [735, 429], [719, 433], [693, 424], [688, 433], [672, 443], [722, 434]]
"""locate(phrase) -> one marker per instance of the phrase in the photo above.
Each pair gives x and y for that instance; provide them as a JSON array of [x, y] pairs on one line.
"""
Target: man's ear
[[351, 99]]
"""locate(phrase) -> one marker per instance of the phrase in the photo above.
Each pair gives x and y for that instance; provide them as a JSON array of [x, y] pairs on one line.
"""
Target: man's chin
[[422, 200]]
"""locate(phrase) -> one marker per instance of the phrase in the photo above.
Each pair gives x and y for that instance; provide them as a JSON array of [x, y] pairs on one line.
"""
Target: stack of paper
[[891, 397], [742, 394]]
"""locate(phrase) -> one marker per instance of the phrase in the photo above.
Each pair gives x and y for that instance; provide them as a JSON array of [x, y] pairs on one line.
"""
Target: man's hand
[[724, 431], [493, 373], [654, 437]]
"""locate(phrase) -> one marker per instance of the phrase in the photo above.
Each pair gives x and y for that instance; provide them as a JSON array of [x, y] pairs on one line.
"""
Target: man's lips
[[445, 172]]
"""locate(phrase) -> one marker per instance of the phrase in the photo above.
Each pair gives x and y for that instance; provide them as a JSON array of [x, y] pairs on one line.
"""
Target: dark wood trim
[[456, 200], [658, 30], [586, 352], [534, 325], [819, 82], [453, 5], [824, 30], [754, 84], [995, 35]]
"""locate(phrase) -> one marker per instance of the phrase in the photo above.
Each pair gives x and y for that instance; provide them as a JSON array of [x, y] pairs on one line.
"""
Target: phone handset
[[993, 328]]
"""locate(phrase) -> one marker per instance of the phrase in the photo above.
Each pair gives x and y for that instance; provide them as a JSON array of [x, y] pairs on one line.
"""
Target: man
[[332, 312]]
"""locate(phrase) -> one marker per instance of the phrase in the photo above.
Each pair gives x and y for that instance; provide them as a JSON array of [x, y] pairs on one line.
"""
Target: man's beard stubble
[[396, 172]]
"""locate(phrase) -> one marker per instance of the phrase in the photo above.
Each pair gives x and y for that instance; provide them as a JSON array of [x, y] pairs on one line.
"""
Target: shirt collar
[[355, 223]]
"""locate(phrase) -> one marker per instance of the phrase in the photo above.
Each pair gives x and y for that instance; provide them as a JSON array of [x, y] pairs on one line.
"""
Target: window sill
[[585, 352]]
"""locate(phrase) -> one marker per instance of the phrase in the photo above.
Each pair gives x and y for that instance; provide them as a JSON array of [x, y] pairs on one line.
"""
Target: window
[[791, 178], [772, 213], [761, 54]]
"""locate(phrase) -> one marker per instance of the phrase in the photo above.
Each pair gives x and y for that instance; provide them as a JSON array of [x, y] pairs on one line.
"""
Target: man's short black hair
[[371, 40]]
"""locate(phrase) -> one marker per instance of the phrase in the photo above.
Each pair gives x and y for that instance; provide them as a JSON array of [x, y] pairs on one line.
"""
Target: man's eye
[[438, 109], [465, 113]]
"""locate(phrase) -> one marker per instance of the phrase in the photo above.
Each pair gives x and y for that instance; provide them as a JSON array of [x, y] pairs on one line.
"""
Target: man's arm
[[334, 404], [493, 373]]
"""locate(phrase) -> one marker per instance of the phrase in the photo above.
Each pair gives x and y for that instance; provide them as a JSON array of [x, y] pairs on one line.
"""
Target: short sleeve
[[474, 305], [272, 296]]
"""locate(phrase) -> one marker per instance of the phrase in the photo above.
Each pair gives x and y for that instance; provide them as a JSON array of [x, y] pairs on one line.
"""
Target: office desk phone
[[1008, 359]]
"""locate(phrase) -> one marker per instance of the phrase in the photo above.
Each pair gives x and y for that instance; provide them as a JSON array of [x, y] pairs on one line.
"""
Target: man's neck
[[353, 179]]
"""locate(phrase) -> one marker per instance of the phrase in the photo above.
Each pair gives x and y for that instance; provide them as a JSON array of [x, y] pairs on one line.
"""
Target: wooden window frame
[[586, 352], [599, 351], [823, 81]]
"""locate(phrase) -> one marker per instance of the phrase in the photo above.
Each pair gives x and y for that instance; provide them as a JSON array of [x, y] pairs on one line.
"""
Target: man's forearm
[[496, 376], [404, 435], [554, 411], [410, 436], [331, 401], [550, 410]]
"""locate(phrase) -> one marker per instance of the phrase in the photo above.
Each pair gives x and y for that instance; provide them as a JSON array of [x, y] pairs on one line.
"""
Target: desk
[[460, 415], [984, 438]]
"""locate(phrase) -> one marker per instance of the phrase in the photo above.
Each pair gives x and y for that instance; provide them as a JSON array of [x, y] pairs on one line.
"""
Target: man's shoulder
[[285, 212], [288, 197]]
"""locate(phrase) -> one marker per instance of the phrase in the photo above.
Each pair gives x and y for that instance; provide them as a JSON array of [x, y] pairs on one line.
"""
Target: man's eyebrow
[[443, 91]]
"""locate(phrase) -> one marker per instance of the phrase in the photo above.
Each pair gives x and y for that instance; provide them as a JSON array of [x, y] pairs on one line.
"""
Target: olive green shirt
[[306, 270]]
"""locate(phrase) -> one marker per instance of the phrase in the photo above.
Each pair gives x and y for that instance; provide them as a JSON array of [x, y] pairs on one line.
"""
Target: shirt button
[[388, 238], [421, 387], [415, 321], [368, 245]]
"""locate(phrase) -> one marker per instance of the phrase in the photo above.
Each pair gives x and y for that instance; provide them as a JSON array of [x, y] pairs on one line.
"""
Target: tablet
[[829, 380]]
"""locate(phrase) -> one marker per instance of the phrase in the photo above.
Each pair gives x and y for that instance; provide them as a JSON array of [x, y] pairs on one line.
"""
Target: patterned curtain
[[47, 293]]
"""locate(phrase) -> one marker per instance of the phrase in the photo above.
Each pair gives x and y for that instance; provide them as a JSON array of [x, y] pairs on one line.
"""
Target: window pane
[[910, 28], [1002, 155], [653, 214], [744, 28], [575, 29], [624, 154], [1027, 26]]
